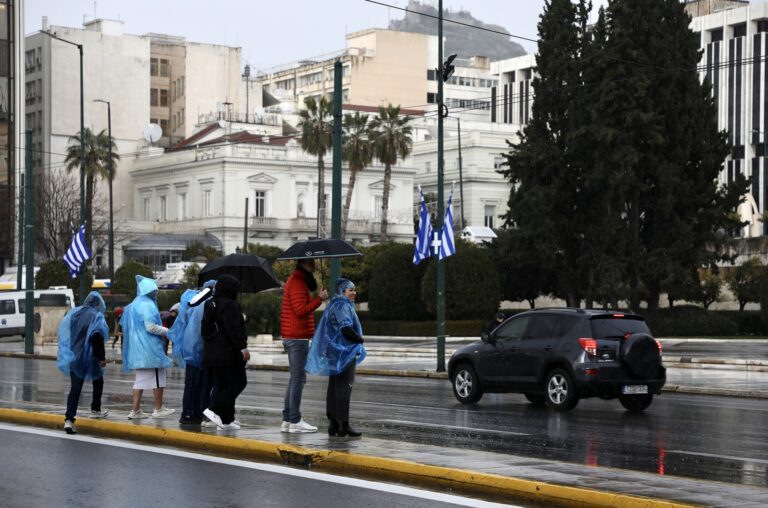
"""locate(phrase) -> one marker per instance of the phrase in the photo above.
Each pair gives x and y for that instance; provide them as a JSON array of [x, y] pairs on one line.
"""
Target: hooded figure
[[332, 347], [82, 334], [142, 349], [185, 332], [76, 331]]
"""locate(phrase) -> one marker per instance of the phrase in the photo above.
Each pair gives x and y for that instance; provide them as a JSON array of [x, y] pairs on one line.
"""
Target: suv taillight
[[658, 343], [589, 345]]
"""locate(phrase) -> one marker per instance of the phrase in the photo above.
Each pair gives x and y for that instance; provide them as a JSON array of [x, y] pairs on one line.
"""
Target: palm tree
[[392, 141], [358, 152], [317, 139], [96, 166]]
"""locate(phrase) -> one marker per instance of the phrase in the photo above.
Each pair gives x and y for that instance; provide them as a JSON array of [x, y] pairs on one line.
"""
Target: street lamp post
[[110, 176], [82, 144], [440, 276]]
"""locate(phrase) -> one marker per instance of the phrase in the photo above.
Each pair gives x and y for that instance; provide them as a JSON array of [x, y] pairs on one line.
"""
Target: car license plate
[[634, 389]]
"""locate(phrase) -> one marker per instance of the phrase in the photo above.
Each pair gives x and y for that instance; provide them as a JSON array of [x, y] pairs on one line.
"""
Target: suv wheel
[[536, 399], [466, 386], [560, 391], [636, 403]]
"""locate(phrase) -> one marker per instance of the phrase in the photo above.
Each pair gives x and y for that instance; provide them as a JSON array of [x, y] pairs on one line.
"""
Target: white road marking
[[716, 456], [310, 475], [455, 427]]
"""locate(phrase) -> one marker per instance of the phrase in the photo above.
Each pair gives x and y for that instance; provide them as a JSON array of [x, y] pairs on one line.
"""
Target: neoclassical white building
[[197, 192]]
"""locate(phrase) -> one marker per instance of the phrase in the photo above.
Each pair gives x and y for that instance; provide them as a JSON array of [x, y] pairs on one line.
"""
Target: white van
[[13, 307]]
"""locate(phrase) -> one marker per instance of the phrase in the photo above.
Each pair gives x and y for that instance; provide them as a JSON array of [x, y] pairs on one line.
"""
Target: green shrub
[[748, 322], [472, 288], [263, 311], [690, 321], [56, 273], [125, 277], [394, 288], [167, 298]]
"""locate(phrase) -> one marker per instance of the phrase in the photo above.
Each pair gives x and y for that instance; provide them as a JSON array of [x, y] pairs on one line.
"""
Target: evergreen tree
[[547, 168]]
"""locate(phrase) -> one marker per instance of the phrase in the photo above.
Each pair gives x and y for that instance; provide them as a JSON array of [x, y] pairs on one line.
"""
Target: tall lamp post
[[111, 174], [82, 144]]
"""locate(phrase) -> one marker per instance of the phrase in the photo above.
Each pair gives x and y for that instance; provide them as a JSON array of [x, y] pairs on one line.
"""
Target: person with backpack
[[225, 351]]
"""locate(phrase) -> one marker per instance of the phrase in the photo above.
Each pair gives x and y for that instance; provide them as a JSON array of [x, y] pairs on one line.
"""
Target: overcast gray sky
[[270, 32]]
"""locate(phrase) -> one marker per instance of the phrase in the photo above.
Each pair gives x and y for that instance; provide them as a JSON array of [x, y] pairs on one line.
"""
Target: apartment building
[[381, 67], [12, 65]]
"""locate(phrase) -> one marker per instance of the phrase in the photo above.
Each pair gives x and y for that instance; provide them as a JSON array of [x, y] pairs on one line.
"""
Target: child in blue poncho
[[336, 349], [82, 334], [143, 353]]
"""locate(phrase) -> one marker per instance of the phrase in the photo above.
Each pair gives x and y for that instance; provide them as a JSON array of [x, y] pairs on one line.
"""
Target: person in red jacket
[[297, 326]]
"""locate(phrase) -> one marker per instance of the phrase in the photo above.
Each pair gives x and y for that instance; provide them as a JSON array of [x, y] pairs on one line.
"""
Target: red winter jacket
[[297, 320]]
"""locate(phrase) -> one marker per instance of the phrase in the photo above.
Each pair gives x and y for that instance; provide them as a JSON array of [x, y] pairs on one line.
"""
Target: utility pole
[[29, 306], [336, 186], [461, 176], [22, 190], [110, 176], [440, 206]]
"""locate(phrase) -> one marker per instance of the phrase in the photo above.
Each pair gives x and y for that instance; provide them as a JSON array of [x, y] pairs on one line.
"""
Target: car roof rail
[[575, 309]]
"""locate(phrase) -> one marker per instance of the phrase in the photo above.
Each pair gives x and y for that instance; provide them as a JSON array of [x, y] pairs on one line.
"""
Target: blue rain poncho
[[75, 352], [185, 333], [177, 330], [331, 353], [141, 349]]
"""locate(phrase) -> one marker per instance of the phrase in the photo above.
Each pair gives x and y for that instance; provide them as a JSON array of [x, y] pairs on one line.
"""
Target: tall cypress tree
[[546, 169], [662, 144]]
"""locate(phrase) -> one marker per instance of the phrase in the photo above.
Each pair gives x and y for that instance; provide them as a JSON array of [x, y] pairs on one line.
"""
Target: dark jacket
[[223, 326]]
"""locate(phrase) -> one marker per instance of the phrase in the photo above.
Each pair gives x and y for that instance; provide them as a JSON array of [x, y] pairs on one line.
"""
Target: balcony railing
[[263, 223]]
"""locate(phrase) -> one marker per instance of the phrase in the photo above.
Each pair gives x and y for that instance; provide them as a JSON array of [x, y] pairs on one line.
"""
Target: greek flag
[[78, 253], [447, 243], [422, 250]]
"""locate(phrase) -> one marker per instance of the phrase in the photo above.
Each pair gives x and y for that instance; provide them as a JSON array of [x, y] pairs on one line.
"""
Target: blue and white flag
[[78, 253], [422, 250], [447, 243]]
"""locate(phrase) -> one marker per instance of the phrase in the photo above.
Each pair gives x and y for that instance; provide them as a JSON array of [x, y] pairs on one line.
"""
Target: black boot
[[334, 427], [346, 430]]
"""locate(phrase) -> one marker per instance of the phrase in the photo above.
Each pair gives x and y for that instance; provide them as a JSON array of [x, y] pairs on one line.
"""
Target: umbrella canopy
[[253, 272], [322, 248]]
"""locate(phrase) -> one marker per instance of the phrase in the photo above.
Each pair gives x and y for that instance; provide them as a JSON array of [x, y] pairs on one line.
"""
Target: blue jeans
[[297, 350], [74, 395]]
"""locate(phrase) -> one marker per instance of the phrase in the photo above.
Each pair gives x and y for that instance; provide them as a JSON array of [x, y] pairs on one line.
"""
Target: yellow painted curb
[[377, 467]]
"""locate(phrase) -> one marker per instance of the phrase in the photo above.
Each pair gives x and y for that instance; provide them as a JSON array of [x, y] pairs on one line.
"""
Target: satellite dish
[[153, 133]]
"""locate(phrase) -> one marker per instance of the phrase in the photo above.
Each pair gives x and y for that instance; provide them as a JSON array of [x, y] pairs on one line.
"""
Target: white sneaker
[[100, 414], [301, 428], [284, 426], [137, 415], [214, 418], [69, 427], [208, 423], [237, 422], [163, 412], [230, 426]]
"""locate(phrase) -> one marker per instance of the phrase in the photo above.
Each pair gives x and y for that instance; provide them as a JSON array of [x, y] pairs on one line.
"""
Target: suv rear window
[[609, 327]]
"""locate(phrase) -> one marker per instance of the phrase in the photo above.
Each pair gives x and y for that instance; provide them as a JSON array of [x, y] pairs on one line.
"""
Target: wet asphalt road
[[696, 436], [96, 473]]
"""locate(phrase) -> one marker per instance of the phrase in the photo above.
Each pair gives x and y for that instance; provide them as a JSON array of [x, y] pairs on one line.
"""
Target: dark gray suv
[[558, 356]]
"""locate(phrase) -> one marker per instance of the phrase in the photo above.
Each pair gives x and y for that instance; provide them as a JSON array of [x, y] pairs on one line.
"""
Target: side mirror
[[485, 337]]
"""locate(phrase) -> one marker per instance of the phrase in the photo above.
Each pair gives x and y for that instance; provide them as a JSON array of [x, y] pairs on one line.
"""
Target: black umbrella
[[253, 272], [322, 248]]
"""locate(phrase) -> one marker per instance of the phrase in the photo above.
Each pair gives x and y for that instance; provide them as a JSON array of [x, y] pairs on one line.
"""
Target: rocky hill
[[464, 41]]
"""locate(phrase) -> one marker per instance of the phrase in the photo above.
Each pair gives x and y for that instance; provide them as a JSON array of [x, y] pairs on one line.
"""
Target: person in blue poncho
[[143, 352], [82, 334], [187, 342], [336, 349]]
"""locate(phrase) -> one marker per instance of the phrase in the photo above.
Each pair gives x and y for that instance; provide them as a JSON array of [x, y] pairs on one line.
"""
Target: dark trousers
[[207, 388], [339, 394], [74, 395], [229, 381], [195, 397]]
